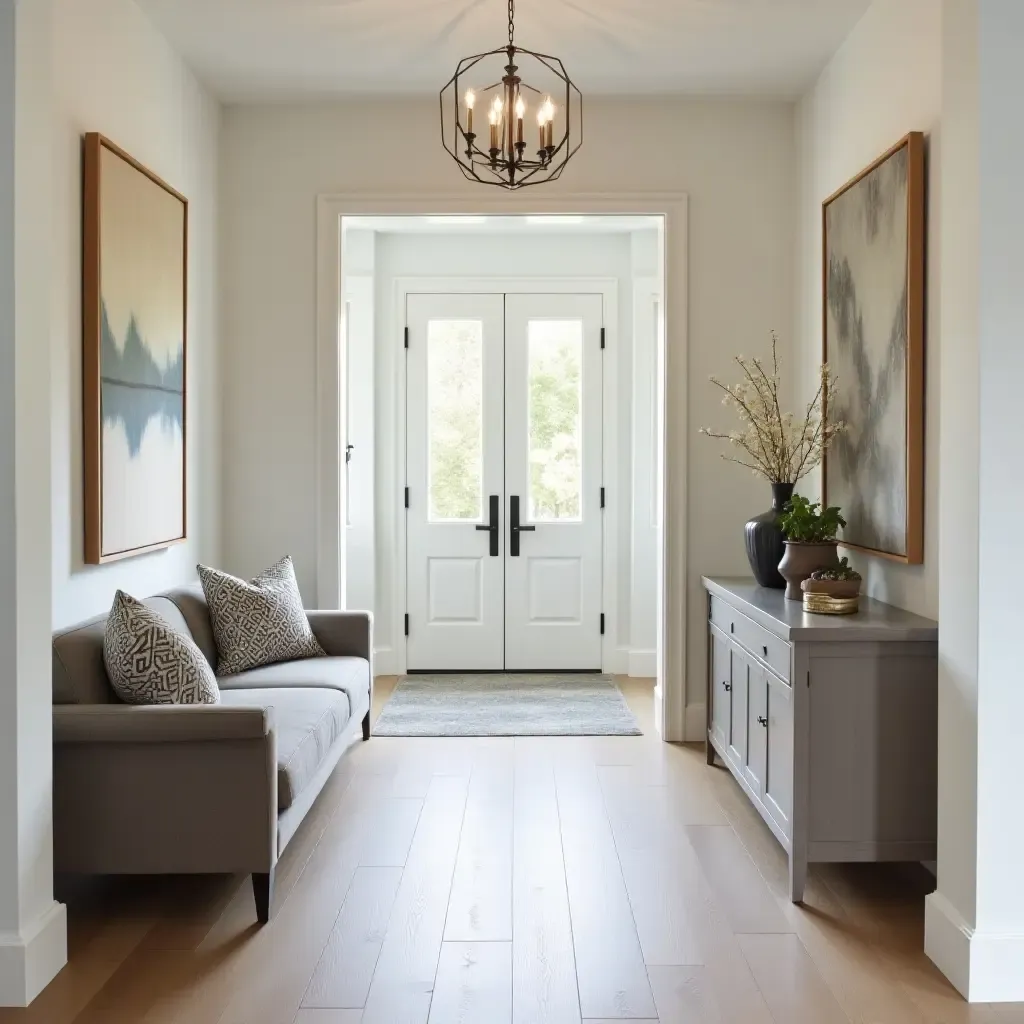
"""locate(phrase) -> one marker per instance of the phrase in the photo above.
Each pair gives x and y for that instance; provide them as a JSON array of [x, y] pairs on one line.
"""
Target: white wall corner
[[385, 662], [29, 961], [615, 661], [696, 727], [642, 664], [982, 966]]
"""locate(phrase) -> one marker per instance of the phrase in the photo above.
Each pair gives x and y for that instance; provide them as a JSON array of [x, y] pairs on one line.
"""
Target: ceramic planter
[[801, 559], [832, 588]]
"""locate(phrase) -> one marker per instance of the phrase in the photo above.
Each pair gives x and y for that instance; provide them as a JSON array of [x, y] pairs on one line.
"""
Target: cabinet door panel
[[757, 729], [778, 780], [738, 710], [721, 687]]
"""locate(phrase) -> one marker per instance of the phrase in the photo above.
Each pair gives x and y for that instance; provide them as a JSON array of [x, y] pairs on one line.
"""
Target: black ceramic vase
[[765, 543]]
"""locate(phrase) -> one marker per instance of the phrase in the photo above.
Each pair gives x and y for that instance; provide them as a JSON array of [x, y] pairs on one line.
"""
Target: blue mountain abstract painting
[[135, 389]]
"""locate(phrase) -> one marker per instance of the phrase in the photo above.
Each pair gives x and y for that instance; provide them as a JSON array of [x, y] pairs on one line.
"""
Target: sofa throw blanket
[[259, 622], [150, 662]]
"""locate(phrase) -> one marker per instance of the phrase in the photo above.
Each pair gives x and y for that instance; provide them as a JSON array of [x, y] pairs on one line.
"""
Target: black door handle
[[514, 526], [492, 526]]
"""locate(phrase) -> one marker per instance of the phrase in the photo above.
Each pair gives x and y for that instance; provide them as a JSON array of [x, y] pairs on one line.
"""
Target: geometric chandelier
[[499, 148]]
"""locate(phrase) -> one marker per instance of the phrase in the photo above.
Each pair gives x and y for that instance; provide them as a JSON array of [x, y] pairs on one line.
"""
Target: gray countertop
[[769, 608]]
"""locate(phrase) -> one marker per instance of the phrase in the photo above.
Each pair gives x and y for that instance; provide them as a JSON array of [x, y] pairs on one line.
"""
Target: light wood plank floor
[[535, 881]]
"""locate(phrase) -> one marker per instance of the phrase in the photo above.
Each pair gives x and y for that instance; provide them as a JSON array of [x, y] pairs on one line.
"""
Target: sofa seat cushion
[[307, 720], [350, 675]]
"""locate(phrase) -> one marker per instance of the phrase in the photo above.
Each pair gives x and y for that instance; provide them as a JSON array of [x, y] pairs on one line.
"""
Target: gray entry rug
[[506, 704]]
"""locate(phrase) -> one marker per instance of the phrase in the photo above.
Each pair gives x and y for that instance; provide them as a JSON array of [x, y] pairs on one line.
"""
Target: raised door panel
[[778, 779], [721, 687], [741, 674], [757, 729]]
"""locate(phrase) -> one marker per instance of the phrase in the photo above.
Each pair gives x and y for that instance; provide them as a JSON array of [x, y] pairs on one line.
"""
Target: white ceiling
[[248, 50]]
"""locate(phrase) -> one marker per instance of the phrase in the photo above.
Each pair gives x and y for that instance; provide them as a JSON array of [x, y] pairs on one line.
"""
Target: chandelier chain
[[511, 21]]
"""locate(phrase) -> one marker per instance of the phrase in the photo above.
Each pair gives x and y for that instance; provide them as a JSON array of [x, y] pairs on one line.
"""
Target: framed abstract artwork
[[134, 305], [873, 305]]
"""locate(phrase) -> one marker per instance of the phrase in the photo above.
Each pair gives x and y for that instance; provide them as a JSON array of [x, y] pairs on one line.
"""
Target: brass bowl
[[822, 604]]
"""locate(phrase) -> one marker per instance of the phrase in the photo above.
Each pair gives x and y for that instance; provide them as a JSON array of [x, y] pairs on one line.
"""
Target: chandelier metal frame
[[504, 162]]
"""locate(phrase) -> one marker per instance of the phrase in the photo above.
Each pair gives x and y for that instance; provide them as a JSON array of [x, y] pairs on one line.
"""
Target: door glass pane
[[455, 419], [555, 426]]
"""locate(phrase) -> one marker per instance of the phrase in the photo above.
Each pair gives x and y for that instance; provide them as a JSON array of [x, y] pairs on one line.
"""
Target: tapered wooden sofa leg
[[366, 726], [263, 891]]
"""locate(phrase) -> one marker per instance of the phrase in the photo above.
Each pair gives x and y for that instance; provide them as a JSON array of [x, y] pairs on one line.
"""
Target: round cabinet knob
[[727, 686], [763, 721]]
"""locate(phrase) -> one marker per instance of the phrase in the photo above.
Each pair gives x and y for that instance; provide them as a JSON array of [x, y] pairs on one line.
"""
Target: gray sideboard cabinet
[[828, 723]]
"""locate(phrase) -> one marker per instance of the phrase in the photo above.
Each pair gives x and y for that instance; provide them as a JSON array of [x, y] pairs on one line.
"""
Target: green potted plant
[[810, 538]]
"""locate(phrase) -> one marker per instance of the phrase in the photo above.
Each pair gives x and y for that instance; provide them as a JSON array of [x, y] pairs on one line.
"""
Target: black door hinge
[[406, 623], [602, 337], [407, 337], [602, 497], [407, 497], [602, 623]]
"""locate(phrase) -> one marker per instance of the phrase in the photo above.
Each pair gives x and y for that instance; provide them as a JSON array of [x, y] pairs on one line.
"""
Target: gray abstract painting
[[868, 288]]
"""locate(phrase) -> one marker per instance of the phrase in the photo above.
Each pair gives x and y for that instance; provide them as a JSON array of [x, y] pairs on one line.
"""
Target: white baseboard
[[29, 961], [642, 664], [695, 727], [982, 966], [384, 662]]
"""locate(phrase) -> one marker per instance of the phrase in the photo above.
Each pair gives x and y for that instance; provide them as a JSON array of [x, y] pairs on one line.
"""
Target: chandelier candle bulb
[[520, 111], [470, 100]]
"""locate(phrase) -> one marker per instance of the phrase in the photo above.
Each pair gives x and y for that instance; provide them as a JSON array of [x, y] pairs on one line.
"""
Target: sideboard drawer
[[771, 649]]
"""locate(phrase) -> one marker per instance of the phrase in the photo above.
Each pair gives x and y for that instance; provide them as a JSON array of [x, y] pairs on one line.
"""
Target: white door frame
[[608, 289], [670, 702]]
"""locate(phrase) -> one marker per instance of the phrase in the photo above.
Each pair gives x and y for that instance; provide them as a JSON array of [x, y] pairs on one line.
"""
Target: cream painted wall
[[733, 158], [884, 81], [114, 73]]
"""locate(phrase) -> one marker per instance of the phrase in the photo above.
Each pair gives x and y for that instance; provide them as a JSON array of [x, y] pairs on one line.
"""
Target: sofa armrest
[[164, 789], [158, 723], [343, 634]]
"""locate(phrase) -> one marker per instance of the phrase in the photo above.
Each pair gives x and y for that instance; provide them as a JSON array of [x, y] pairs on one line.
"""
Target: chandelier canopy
[[503, 156]]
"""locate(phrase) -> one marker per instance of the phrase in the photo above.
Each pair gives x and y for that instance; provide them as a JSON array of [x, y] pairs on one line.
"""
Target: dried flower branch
[[771, 443]]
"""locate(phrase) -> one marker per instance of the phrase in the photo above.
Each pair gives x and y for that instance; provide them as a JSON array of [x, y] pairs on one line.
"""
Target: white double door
[[505, 496]]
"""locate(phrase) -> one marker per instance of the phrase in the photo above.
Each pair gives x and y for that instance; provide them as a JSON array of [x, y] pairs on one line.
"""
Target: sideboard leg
[[797, 878], [710, 751]]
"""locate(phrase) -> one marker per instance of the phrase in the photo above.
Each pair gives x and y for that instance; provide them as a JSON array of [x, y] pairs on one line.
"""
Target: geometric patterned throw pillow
[[259, 622], [150, 662]]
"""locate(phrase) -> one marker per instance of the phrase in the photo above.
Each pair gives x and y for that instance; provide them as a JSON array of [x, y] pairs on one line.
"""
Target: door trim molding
[[673, 639], [608, 289]]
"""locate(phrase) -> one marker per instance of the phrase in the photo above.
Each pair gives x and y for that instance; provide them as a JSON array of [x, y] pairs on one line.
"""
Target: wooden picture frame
[[134, 356], [873, 339]]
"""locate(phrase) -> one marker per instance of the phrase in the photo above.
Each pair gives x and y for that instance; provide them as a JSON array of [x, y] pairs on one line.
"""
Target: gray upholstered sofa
[[201, 788]]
